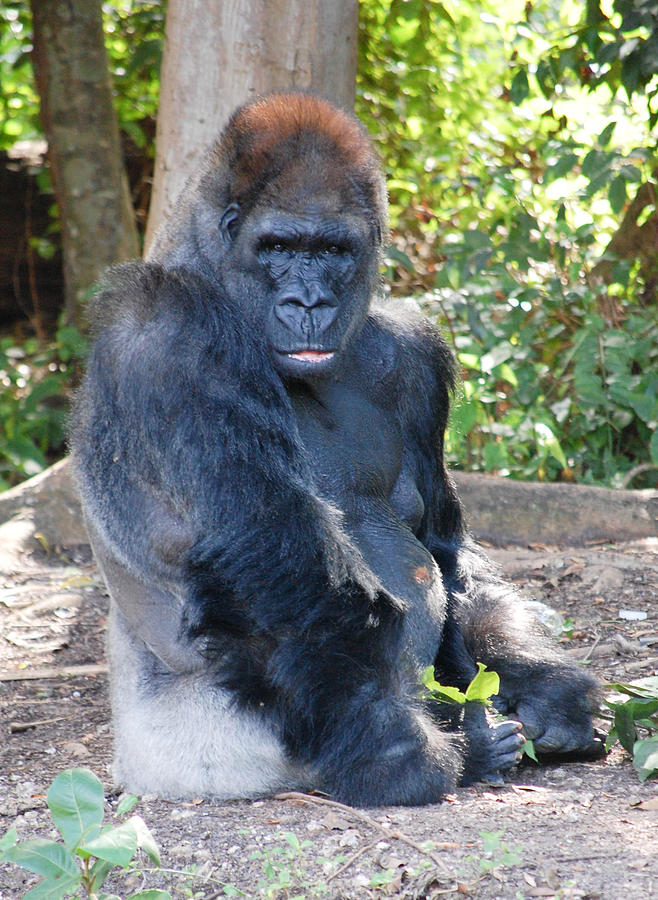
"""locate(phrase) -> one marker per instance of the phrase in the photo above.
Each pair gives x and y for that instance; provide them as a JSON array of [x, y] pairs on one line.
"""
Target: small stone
[[74, 748]]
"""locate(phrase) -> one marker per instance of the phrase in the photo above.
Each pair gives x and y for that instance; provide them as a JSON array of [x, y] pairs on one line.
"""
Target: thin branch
[[353, 858], [52, 672], [17, 727]]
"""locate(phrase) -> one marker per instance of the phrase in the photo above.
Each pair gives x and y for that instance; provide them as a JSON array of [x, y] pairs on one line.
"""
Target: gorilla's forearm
[[329, 673]]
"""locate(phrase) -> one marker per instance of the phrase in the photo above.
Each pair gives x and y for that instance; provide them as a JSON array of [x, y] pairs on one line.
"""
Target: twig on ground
[[17, 727], [592, 648], [353, 858], [52, 672]]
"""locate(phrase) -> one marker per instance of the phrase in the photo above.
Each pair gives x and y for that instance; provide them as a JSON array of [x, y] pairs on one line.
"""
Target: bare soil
[[572, 831]]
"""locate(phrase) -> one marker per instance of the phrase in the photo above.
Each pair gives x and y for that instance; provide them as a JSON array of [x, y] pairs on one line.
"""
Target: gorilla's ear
[[228, 223]]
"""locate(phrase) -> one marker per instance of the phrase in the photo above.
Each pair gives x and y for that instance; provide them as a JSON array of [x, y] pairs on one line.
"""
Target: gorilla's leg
[[553, 697], [179, 735]]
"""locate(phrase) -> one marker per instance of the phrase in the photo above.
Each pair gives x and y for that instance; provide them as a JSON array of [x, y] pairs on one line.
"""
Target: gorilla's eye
[[271, 246], [333, 250]]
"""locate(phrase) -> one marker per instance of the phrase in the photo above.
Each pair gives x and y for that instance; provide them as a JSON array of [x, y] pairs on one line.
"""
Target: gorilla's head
[[288, 212]]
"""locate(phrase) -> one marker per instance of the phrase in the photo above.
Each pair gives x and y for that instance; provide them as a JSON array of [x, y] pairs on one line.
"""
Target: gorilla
[[259, 450]]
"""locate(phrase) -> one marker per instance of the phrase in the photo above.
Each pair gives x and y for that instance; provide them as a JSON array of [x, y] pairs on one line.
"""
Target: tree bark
[[219, 55], [77, 112]]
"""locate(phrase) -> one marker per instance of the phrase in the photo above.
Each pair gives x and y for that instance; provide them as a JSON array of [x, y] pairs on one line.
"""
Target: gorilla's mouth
[[312, 356]]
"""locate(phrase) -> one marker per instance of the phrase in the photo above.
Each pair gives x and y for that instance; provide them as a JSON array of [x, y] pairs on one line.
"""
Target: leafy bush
[[35, 384], [509, 184], [635, 724], [551, 390]]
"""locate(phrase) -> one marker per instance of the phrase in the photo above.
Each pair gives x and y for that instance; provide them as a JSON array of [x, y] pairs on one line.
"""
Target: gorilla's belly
[[409, 572]]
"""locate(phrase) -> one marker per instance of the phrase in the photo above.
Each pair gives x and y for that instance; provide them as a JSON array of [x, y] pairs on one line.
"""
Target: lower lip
[[311, 356]]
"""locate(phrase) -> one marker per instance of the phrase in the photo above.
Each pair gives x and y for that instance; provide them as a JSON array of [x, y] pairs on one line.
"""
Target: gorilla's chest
[[357, 455], [354, 445]]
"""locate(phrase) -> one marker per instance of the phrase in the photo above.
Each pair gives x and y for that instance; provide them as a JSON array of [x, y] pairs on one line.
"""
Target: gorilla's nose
[[306, 311]]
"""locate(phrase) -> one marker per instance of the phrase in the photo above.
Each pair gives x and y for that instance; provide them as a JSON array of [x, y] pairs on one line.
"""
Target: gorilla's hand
[[491, 749], [413, 763], [556, 717]]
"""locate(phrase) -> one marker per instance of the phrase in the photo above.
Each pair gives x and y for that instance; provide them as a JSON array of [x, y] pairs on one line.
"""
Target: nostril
[[295, 301], [313, 298]]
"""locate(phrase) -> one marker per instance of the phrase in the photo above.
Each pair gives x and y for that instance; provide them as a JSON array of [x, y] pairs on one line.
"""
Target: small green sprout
[[89, 850], [483, 686]]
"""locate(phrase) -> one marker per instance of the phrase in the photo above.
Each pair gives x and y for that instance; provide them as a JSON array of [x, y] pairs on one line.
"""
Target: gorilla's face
[[307, 277]]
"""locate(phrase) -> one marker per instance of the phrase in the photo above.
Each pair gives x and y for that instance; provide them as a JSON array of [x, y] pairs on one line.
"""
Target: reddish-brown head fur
[[285, 147]]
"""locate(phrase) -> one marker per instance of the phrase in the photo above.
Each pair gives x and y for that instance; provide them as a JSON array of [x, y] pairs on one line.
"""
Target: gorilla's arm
[[487, 621], [181, 420]]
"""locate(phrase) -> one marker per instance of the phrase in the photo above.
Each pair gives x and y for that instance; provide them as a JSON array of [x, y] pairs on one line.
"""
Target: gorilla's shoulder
[[421, 353], [137, 294]]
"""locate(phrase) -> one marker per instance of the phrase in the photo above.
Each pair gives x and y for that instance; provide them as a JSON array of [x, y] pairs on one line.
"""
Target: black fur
[[250, 435]]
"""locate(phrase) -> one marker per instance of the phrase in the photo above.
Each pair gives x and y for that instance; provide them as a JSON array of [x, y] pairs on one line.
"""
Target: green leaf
[[653, 447], [453, 275], [46, 858], [292, 840], [484, 685], [611, 739], [617, 194], [645, 757], [8, 840], [507, 373], [529, 750], [464, 415], [631, 173], [548, 443], [626, 716], [75, 799], [606, 134], [117, 846], [404, 30], [145, 840], [497, 355], [495, 456], [25, 455], [392, 256], [562, 167], [99, 872], [442, 693], [596, 163], [643, 687], [54, 888], [42, 390], [630, 73], [625, 727], [126, 804], [519, 89], [469, 360]]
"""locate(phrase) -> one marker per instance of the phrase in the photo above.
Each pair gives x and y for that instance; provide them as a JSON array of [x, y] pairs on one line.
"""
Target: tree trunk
[[632, 241], [219, 55], [90, 185]]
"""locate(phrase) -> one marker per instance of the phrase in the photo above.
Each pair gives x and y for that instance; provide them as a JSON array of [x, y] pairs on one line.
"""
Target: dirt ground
[[573, 831]]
